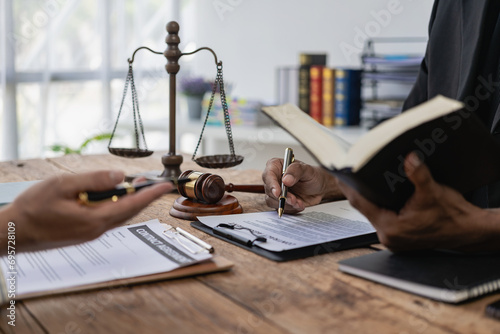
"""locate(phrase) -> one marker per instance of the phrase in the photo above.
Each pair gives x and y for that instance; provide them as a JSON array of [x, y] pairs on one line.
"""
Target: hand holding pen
[[289, 158], [49, 214], [91, 197]]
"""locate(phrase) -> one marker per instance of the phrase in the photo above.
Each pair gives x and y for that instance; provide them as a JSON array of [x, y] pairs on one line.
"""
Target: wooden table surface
[[256, 296]]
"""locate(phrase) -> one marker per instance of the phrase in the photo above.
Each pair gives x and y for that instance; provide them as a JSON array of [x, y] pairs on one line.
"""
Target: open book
[[452, 141]]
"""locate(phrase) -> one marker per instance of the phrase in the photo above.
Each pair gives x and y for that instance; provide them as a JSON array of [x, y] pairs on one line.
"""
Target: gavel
[[210, 188]]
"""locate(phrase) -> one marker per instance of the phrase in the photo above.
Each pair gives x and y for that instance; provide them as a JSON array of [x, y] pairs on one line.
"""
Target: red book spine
[[316, 93]]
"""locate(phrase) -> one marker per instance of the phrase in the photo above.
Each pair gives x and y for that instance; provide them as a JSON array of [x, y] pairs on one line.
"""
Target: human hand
[[435, 216], [48, 214], [307, 185]]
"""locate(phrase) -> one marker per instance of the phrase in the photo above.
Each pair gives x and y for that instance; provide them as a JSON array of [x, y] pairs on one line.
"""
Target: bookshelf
[[390, 67]]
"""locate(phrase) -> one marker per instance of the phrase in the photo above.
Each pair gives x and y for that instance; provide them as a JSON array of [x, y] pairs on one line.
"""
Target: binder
[[291, 254]]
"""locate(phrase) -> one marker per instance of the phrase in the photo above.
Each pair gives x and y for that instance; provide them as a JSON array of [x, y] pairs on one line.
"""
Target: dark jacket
[[456, 65]]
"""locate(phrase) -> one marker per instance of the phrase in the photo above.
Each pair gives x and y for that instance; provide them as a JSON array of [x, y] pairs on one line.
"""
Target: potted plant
[[194, 88]]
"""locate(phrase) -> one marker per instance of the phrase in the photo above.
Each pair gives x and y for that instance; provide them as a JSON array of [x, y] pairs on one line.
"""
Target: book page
[[327, 148], [315, 225], [123, 252]]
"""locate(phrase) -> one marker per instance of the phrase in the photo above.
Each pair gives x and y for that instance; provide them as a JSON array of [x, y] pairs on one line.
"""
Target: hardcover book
[[306, 61], [328, 94], [455, 145], [316, 93], [347, 96]]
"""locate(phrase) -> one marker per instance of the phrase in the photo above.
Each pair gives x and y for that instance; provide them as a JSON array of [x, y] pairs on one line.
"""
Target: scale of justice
[[205, 194]]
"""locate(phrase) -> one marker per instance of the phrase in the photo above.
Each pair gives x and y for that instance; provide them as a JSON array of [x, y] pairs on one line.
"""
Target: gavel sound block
[[205, 195]]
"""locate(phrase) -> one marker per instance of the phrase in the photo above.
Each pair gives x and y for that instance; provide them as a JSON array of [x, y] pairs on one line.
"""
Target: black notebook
[[445, 276], [441, 131]]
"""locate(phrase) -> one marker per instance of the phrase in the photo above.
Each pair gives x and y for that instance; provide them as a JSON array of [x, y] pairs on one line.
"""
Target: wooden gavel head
[[210, 188], [203, 187]]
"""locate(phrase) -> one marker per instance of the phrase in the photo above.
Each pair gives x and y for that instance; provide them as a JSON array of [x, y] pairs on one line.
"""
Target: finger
[[292, 204], [70, 185], [297, 171], [419, 174], [271, 177]]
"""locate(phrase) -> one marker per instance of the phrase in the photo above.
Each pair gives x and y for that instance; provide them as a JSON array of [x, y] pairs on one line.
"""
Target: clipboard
[[189, 254], [214, 265], [297, 253]]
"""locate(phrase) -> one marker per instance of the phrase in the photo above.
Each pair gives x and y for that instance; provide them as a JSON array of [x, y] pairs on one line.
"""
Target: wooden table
[[256, 296]]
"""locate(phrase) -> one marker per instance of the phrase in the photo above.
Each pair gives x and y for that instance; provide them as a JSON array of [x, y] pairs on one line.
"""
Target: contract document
[[124, 252], [316, 225]]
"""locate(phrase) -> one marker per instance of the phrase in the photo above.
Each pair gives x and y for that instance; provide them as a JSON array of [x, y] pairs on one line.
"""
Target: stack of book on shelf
[[331, 96], [242, 112]]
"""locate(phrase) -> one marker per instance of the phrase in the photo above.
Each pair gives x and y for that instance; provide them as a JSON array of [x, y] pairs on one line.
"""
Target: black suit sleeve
[[419, 92]]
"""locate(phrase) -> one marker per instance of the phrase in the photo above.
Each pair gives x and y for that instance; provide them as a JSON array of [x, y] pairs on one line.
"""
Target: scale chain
[[135, 108], [219, 82]]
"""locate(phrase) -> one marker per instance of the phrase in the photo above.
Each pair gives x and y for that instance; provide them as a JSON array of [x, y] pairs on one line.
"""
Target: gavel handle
[[248, 188]]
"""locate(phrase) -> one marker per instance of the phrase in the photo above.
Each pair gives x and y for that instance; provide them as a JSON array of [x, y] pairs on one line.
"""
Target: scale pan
[[130, 152], [219, 161]]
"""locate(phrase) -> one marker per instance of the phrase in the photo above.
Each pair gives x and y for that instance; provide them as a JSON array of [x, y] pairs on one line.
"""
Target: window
[[63, 65]]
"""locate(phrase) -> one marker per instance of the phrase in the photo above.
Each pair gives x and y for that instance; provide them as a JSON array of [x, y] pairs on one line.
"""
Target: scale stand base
[[185, 208]]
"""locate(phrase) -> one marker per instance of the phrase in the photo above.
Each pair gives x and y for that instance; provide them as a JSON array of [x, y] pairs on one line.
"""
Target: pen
[[289, 158], [194, 239], [90, 197]]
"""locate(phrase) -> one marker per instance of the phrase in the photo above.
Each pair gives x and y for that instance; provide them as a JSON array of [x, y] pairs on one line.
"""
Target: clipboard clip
[[225, 230], [187, 240]]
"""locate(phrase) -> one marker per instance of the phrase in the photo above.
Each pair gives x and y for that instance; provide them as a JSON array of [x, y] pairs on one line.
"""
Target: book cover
[[328, 94], [347, 96], [450, 277], [316, 93], [449, 139], [306, 61]]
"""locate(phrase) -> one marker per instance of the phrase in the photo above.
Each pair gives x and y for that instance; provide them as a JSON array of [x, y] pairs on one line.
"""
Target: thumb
[[92, 181], [418, 173]]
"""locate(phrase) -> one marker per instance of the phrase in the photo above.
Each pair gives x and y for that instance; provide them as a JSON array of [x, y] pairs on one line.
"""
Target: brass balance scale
[[185, 208]]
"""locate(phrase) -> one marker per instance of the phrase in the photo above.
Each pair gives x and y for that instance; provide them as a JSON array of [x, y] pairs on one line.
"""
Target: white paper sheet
[[123, 252], [10, 190], [315, 225]]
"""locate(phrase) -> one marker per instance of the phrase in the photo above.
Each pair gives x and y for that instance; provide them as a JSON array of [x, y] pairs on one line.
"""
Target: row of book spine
[[332, 96]]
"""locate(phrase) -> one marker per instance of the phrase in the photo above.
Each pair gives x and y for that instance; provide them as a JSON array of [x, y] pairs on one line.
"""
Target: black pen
[[289, 158], [90, 197]]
